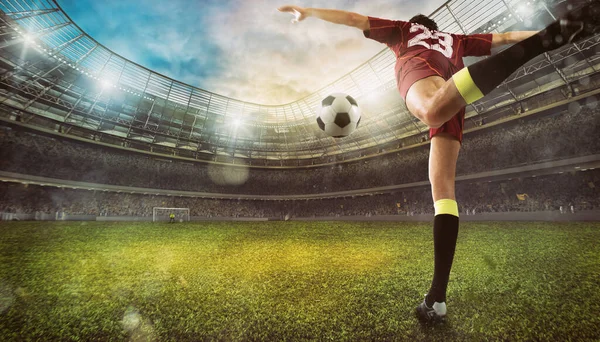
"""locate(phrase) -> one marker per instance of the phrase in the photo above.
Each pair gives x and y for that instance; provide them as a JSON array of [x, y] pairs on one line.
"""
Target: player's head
[[425, 21]]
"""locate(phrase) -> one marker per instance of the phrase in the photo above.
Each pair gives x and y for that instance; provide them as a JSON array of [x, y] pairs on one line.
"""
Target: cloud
[[243, 49], [289, 61]]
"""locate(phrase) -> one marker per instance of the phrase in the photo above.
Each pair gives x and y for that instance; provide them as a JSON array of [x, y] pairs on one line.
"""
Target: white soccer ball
[[338, 115]]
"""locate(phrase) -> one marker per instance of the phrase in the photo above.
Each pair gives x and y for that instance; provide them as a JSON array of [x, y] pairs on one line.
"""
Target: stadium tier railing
[[549, 167]]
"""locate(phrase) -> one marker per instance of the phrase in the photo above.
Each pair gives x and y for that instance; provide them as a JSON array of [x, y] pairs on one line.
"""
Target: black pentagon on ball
[[328, 101], [321, 123], [351, 100], [342, 119], [358, 122]]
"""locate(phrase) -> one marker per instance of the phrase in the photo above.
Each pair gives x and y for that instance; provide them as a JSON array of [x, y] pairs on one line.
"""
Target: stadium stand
[[571, 133], [148, 131], [548, 193]]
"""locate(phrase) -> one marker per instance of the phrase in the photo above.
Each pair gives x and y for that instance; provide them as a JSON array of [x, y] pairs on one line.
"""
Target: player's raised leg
[[442, 172], [475, 81], [433, 95]]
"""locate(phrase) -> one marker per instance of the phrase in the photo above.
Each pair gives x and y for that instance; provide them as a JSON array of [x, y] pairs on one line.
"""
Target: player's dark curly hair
[[425, 21]]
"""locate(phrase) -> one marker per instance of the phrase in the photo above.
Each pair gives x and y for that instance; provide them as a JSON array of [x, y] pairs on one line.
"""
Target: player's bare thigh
[[421, 92], [431, 95]]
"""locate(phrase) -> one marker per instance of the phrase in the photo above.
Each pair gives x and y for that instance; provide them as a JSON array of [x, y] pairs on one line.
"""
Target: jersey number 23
[[442, 42]]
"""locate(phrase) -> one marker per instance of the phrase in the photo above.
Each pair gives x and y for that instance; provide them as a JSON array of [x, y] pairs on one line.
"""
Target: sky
[[244, 49]]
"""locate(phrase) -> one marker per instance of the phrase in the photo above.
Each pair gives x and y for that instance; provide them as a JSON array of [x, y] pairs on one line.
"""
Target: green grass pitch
[[77, 281]]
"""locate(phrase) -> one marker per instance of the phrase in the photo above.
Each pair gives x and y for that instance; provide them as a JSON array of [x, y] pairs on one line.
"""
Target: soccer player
[[436, 86], [172, 218]]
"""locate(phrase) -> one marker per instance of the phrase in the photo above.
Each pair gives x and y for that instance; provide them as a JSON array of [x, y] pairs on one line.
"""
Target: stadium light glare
[[105, 84], [28, 38], [525, 9]]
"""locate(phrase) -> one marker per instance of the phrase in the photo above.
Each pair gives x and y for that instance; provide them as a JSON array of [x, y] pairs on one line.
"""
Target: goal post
[[160, 214]]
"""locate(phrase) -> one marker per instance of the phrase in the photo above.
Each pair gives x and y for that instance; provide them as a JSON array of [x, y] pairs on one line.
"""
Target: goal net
[[163, 214]]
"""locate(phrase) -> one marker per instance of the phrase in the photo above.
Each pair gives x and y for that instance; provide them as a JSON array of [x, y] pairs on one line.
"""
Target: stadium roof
[[100, 90]]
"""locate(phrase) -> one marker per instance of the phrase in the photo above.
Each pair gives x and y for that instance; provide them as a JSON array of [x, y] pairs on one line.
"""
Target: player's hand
[[298, 12]]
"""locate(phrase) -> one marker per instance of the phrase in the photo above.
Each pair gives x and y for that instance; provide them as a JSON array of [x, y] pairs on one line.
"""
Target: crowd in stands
[[543, 193], [567, 134]]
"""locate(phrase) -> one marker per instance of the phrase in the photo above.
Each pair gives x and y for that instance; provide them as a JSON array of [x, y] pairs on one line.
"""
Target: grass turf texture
[[294, 280]]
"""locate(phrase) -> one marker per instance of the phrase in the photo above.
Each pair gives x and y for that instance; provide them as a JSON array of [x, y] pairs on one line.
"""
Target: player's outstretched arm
[[333, 16], [506, 38]]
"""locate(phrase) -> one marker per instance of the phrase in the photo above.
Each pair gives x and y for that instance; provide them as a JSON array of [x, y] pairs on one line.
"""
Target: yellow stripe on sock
[[466, 87], [446, 206]]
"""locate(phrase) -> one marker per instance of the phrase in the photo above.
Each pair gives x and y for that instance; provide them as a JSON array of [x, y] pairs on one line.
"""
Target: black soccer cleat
[[431, 315]]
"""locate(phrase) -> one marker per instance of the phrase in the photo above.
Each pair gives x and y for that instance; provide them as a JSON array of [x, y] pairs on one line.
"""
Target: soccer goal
[[160, 214]]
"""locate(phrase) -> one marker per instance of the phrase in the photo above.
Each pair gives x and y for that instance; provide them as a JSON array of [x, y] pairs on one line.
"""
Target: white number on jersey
[[444, 40]]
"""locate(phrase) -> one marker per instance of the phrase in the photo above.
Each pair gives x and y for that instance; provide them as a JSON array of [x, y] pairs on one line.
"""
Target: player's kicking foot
[[431, 315]]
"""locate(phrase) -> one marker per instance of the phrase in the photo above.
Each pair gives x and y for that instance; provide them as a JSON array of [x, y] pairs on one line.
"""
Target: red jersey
[[408, 40], [421, 53]]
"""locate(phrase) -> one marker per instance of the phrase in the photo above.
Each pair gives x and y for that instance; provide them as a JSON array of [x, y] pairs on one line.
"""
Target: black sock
[[491, 72], [479, 79], [445, 233]]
